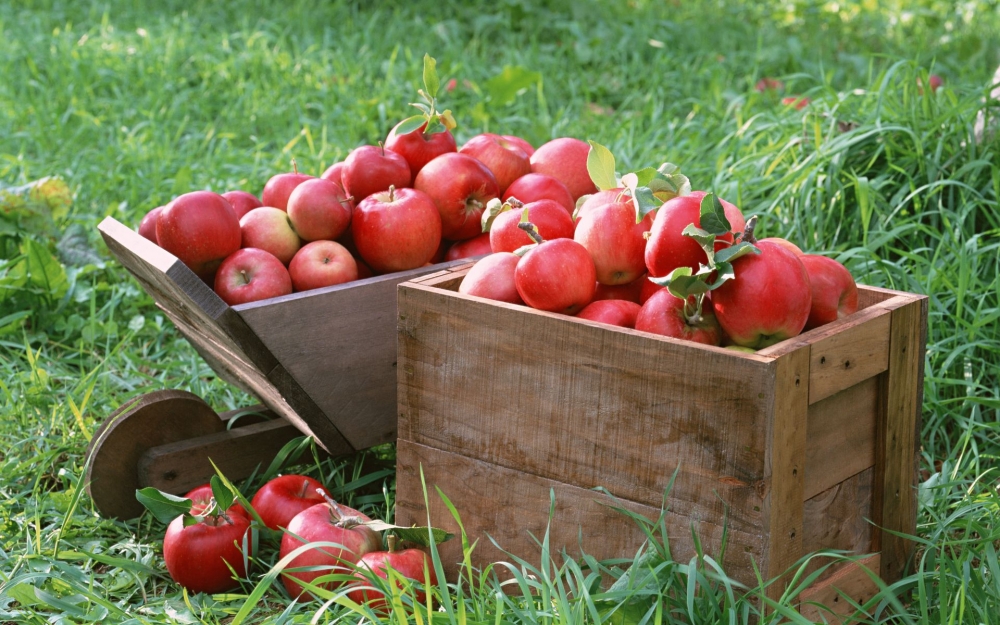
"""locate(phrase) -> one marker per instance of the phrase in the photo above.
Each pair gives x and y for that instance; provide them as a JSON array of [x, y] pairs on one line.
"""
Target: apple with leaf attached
[[427, 135]]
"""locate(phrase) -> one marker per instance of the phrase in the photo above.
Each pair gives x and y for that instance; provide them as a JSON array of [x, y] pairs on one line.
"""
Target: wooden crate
[[809, 444]]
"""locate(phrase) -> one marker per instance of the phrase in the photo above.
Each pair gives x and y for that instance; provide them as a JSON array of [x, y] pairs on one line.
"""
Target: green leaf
[[731, 253], [682, 282], [724, 272], [645, 176], [223, 496], [645, 202], [601, 166], [239, 496], [505, 86], [419, 535], [493, 209], [713, 216], [164, 506], [11, 322], [410, 124], [44, 271], [669, 182], [74, 249], [34, 207], [524, 249], [705, 239], [431, 81]]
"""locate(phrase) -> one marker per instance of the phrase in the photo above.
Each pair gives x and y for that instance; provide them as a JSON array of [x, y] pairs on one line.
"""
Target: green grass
[[133, 103]]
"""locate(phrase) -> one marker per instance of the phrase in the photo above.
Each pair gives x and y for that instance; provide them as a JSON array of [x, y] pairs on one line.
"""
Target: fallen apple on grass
[[391, 565], [281, 498]]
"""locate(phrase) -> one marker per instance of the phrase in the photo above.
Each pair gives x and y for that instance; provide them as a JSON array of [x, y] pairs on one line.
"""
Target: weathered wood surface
[[850, 582], [841, 436], [840, 518], [845, 356]]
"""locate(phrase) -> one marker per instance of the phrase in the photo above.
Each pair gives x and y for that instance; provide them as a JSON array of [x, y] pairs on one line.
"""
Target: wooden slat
[[784, 466], [845, 356], [585, 404], [841, 436], [510, 507], [840, 518], [896, 437], [871, 295], [824, 602]]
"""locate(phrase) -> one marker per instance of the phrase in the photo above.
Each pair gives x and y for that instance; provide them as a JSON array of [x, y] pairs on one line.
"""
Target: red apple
[[665, 314], [279, 188], [371, 169], [648, 288], [493, 278], [521, 143], [534, 187], [364, 271], [199, 228], [615, 241], [768, 301], [769, 84], [199, 556], [668, 249], [933, 80], [558, 276], [250, 275], [799, 102], [147, 227], [565, 159], [606, 196], [409, 563], [242, 201], [834, 292], [476, 246], [396, 230], [201, 499], [269, 229], [419, 148], [549, 217], [319, 210], [616, 312], [630, 292], [322, 263], [788, 245], [326, 522], [281, 498], [460, 187], [334, 173], [505, 159]]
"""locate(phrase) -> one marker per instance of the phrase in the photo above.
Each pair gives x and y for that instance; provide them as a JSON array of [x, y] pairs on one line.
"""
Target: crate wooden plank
[[840, 518], [844, 356], [585, 404], [516, 513], [896, 441], [840, 439], [784, 466], [851, 580]]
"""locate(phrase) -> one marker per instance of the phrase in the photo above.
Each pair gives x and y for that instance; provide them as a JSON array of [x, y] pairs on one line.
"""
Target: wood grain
[[840, 518], [509, 508], [848, 355], [840, 439], [826, 601], [585, 404]]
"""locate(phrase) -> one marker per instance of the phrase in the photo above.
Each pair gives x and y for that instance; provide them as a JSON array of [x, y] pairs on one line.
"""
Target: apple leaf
[[419, 535], [601, 166], [731, 253], [725, 272], [447, 120], [524, 249], [223, 496], [682, 283], [669, 182], [505, 86], [431, 81], [644, 176], [164, 506], [493, 209], [713, 216], [239, 496], [645, 202], [705, 239], [410, 124]]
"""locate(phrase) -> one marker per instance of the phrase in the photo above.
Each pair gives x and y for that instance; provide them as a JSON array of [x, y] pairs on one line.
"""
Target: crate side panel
[[585, 405], [510, 506], [840, 438], [825, 601], [840, 518], [846, 356]]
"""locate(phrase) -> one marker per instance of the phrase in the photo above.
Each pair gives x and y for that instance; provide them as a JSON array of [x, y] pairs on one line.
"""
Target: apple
[[147, 227], [371, 169], [242, 202], [319, 210], [616, 312], [270, 229], [630, 292], [549, 217], [665, 314], [791, 247], [201, 500], [201, 229], [799, 102], [505, 159], [476, 246], [396, 230], [279, 188], [327, 522], [834, 292], [668, 249], [493, 278], [557, 276], [769, 84], [768, 301], [409, 563], [933, 80], [602, 197], [418, 147], [533, 187], [565, 159], [615, 241], [334, 173], [648, 288], [249, 275], [281, 498], [521, 143], [199, 556], [322, 263], [460, 187], [364, 271]]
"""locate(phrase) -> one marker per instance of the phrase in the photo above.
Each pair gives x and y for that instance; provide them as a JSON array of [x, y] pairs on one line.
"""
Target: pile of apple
[[212, 539], [646, 252]]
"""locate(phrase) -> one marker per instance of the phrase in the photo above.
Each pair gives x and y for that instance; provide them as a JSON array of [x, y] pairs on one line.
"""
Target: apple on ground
[[319, 210], [279, 188], [199, 556], [834, 292], [460, 187], [242, 202], [565, 159], [371, 169], [413, 564], [533, 187], [615, 241], [281, 498], [557, 276], [615, 312], [418, 147], [493, 278], [147, 227], [476, 246], [201, 229], [396, 230], [201, 500], [250, 275], [505, 159], [665, 314], [322, 263], [769, 84], [270, 229], [549, 217], [668, 249]]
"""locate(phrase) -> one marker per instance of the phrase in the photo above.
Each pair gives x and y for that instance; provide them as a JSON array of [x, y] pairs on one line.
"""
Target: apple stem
[[515, 203], [381, 147], [692, 313], [333, 504], [391, 539], [305, 489], [532, 231], [295, 168], [748, 230], [392, 193]]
